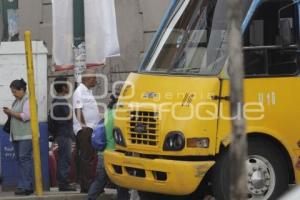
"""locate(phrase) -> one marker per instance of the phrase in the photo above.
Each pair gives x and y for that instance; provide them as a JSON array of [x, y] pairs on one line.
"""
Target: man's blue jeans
[[101, 180], [64, 160], [23, 152]]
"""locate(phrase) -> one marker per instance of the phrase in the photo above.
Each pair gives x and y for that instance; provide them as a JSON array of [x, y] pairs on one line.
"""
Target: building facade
[[137, 21]]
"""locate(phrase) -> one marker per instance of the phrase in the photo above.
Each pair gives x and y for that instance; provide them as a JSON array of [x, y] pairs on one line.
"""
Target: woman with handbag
[[21, 136]]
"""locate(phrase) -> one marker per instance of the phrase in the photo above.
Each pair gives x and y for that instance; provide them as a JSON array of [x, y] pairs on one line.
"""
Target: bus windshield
[[193, 41]]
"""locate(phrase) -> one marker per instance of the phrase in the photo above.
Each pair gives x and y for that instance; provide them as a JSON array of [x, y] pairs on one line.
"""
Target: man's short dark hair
[[59, 83]]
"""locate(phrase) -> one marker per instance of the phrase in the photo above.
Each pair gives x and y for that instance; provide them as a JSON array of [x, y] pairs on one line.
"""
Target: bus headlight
[[174, 141], [119, 139]]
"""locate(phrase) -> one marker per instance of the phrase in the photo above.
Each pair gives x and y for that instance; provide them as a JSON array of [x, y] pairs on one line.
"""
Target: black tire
[[203, 190], [220, 177], [263, 149]]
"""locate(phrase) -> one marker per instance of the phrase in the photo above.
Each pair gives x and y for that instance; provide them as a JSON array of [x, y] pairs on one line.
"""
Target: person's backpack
[[99, 137]]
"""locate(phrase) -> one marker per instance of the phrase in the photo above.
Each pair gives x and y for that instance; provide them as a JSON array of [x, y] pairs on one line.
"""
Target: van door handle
[[216, 97]]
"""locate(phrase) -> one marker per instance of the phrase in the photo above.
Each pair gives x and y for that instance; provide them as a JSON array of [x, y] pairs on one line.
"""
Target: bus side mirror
[[285, 31]]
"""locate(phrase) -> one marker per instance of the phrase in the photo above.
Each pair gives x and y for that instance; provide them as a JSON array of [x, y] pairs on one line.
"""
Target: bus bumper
[[155, 175]]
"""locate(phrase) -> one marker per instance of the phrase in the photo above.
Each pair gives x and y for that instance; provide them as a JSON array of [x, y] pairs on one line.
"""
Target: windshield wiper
[[187, 69]]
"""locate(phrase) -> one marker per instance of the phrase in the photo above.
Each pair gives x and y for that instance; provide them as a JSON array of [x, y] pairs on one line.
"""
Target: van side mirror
[[285, 31]]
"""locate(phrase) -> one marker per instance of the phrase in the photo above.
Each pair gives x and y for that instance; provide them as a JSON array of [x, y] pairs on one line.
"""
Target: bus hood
[[152, 106]]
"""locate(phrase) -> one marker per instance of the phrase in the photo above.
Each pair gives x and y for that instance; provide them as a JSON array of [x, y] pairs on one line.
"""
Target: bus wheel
[[267, 172]]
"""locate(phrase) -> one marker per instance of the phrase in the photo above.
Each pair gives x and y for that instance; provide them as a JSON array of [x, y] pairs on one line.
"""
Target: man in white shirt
[[86, 117]]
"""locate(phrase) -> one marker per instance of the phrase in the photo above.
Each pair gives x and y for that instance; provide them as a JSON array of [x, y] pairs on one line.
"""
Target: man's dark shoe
[[28, 192], [67, 188], [84, 191], [18, 190], [23, 192]]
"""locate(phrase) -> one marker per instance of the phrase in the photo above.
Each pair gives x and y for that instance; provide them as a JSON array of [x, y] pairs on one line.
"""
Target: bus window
[[263, 53], [194, 41]]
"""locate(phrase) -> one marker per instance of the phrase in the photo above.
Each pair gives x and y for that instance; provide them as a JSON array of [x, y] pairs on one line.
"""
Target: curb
[[60, 197], [108, 195], [48, 197]]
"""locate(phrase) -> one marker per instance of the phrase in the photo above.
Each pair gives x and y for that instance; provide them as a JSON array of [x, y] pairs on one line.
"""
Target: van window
[[264, 52]]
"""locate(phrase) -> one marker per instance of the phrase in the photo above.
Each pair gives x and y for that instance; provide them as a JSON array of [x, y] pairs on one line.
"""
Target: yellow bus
[[172, 121]]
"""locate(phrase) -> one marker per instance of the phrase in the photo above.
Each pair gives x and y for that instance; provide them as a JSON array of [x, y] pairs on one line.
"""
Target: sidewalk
[[54, 194]]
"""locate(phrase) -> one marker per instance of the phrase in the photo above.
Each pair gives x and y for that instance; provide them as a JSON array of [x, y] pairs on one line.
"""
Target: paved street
[[53, 194]]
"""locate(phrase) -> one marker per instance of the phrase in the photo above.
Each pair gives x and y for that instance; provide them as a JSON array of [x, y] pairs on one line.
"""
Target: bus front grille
[[143, 128]]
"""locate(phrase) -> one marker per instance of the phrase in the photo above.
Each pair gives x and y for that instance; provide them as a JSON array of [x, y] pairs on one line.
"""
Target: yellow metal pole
[[33, 116]]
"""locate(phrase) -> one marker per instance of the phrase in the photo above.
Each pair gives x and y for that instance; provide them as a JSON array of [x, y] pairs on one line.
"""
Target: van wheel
[[267, 172]]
